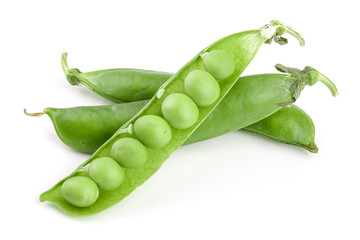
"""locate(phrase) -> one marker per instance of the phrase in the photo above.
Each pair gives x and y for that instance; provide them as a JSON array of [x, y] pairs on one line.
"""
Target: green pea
[[106, 172], [129, 152], [179, 110], [80, 191], [153, 131], [219, 63], [202, 87]]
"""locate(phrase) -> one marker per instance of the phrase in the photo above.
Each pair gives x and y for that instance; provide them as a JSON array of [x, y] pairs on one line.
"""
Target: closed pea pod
[[243, 45], [128, 84], [262, 127], [289, 125], [86, 129], [111, 83], [268, 95], [252, 99]]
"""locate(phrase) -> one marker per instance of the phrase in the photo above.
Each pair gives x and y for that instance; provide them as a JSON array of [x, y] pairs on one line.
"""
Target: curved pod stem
[[307, 76], [38, 114], [69, 73], [275, 29], [315, 76]]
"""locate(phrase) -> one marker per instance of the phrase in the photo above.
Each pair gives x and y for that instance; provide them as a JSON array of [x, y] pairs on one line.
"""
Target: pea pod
[[101, 122], [290, 125], [149, 128], [142, 84], [129, 85]]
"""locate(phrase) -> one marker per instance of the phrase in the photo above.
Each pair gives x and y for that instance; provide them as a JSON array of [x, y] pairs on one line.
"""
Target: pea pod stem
[[307, 76], [69, 73], [315, 76], [275, 29], [33, 114]]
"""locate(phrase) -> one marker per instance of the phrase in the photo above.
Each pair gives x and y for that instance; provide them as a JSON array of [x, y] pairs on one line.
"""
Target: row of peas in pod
[[179, 110]]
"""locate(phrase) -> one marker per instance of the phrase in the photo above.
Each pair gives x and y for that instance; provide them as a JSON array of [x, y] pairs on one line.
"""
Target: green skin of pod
[[101, 122], [84, 129], [139, 85], [242, 46], [290, 125]]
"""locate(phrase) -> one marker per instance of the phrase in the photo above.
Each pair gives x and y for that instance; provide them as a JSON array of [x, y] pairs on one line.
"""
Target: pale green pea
[[153, 131], [179, 110], [80, 191], [106, 172], [219, 63], [129, 152], [202, 87]]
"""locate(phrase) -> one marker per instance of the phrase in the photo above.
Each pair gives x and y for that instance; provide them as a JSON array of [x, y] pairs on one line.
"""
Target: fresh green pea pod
[[129, 85], [290, 125], [142, 84], [241, 46], [234, 112]]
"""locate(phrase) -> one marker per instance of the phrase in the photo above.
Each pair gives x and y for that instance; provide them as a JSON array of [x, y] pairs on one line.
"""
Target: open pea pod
[[91, 187]]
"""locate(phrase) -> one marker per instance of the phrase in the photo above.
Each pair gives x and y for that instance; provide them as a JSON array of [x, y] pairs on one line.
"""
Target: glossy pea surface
[[219, 63], [129, 152], [180, 111], [80, 191], [153, 131], [202, 87], [106, 172]]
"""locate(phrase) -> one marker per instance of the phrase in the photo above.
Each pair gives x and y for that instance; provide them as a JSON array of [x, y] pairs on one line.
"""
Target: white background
[[238, 186]]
